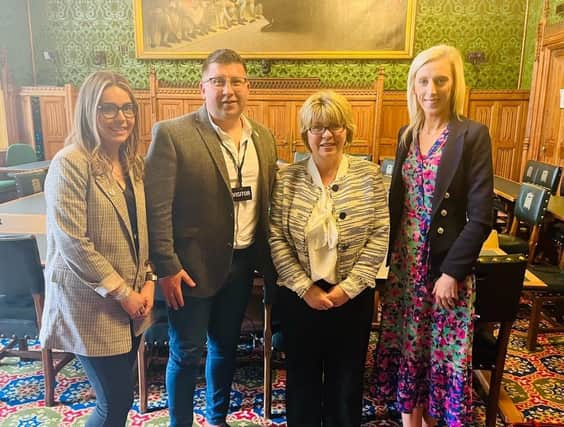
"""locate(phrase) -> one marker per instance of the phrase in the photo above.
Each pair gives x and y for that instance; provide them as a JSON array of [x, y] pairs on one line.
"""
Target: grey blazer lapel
[[115, 196], [212, 141], [263, 162]]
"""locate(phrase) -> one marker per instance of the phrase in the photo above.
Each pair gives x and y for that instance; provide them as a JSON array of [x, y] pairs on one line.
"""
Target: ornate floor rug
[[535, 382]]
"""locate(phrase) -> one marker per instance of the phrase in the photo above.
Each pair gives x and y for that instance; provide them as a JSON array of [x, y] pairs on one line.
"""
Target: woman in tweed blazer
[[329, 231], [99, 286]]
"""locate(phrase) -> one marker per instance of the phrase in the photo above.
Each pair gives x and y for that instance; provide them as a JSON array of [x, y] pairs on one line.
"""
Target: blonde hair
[[416, 115], [328, 108], [84, 132]]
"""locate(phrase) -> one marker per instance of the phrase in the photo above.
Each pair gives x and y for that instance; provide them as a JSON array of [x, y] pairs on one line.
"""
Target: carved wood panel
[[53, 124], [394, 116], [279, 118], [504, 113], [254, 111], [544, 137], [145, 125], [169, 108], [363, 117], [549, 131]]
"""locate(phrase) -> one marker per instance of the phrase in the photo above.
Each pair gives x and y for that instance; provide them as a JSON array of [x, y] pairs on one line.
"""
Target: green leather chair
[[20, 153]]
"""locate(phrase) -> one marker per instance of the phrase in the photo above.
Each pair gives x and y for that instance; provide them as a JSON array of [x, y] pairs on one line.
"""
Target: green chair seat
[[7, 185]]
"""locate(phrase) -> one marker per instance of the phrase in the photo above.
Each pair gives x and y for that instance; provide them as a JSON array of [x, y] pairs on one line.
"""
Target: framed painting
[[275, 28]]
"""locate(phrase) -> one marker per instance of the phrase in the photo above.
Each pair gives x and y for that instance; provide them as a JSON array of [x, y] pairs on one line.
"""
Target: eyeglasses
[[110, 110], [219, 82], [320, 130]]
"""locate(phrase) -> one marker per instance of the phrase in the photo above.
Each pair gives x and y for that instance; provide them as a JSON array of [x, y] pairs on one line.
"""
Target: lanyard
[[239, 167]]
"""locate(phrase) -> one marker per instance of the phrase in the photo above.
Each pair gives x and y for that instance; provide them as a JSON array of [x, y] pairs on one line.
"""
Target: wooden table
[[25, 167], [505, 188]]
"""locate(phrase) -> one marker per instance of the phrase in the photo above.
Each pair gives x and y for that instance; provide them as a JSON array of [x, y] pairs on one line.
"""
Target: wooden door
[[550, 143], [54, 125]]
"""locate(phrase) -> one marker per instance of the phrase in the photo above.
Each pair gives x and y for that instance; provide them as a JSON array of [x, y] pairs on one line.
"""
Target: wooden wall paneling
[[277, 109], [509, 138], [548, 141], [378, 112], [394, 116], [297, 143], [70, 95], [254, 111], [168, 108], [145, 124], [483, 112], [544, 138], [279, 118], [561, 138], [11, 110], [363, 117], [26, 120], [54, 106], [191, 105], [504, 112], [53, 124]]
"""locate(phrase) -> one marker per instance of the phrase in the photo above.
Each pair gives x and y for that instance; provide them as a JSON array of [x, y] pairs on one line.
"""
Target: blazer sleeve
[[65, 196], [466, 248], [290, 272], [160, 186], [373, 254]]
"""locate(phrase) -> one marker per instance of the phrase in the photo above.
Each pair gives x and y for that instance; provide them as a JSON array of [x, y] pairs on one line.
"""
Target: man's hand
[[317, 298], [171, 286], [337, 296], [446, 291]]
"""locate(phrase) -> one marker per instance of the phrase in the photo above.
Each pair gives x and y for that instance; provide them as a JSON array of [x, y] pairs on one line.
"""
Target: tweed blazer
[[190, 204], [90, 252], [361, 213], [461, 216]]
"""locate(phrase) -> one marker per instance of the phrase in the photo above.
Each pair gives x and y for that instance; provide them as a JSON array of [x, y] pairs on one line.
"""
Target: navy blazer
[[461, 217]]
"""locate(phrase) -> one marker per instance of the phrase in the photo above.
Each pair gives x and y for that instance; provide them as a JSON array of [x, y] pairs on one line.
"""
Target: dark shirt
[[131, 210]]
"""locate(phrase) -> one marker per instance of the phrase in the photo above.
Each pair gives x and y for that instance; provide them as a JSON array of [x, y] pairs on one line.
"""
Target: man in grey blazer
[[209, 176]]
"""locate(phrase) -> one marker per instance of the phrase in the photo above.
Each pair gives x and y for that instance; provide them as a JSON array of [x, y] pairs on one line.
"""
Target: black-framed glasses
[[110, 110], [219, 81], [320, 130]]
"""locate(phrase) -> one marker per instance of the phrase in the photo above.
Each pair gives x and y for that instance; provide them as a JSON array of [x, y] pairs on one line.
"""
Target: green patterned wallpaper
[[14, 40], [75, 29]]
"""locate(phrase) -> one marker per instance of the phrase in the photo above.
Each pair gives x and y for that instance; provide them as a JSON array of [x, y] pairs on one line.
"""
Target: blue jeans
[[219, 319], [112, 380]]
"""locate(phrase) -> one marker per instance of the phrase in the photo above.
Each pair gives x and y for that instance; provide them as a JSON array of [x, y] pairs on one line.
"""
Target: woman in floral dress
[[440, 213]]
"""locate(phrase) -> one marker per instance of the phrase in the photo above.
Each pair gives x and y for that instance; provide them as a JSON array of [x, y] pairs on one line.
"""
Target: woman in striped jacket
[[329, 231]]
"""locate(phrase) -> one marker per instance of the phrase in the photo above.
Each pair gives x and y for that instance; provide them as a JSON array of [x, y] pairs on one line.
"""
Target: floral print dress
[[424, 353]]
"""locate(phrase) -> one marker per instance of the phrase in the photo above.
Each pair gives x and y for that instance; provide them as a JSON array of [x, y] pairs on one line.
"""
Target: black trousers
[[326, 353]]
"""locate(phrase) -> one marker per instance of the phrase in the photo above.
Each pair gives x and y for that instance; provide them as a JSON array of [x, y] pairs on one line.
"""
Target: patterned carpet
[[535, 382]]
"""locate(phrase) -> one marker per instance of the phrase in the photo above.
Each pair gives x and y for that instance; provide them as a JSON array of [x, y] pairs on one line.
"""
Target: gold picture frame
[[300, 29]]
